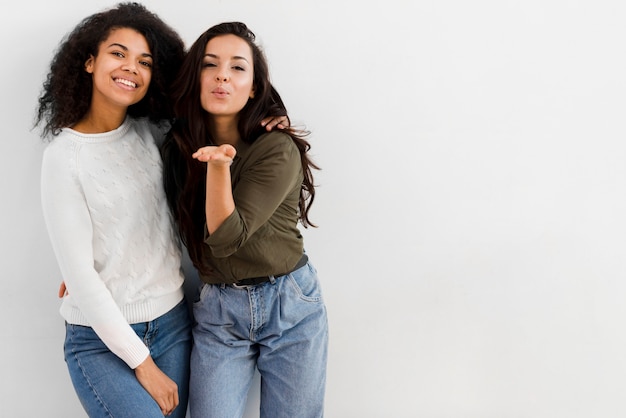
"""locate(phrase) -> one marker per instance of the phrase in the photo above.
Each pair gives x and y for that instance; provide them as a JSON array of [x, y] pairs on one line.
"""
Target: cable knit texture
[[110, 227]]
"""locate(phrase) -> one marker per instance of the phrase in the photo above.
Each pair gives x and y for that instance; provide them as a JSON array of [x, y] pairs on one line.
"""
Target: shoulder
[[59, 149], [275, 137], [59, 162], [274, 141], [275, 149]]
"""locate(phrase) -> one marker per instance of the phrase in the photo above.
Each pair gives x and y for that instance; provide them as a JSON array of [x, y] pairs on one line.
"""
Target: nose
[[130, 67], [223, 77]]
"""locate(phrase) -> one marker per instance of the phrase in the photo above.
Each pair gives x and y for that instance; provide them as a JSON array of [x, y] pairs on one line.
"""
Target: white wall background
[[472, 203]]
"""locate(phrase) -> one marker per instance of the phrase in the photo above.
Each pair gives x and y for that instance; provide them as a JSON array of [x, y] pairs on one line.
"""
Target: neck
[[99, 122], [224, 131]]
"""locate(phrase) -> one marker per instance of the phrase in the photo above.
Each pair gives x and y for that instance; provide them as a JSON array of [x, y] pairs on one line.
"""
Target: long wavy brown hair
[[184, 177], [67, 90]]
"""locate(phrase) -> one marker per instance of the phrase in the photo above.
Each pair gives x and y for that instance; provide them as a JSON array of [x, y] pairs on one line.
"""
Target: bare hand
[[223, 154], [62, 290], [280, 122], [162, 389]]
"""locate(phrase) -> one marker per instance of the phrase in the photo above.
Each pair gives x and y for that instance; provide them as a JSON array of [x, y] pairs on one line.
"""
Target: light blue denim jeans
[[279, 327], [107, 387]]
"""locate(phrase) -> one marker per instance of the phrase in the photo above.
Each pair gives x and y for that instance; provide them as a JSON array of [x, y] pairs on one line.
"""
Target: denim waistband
[[253, 281]]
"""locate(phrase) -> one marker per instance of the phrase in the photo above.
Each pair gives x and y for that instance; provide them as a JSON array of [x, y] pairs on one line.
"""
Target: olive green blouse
[[261, 236]]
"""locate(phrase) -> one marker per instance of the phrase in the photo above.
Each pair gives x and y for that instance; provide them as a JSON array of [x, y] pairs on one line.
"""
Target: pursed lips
[[220, 92]]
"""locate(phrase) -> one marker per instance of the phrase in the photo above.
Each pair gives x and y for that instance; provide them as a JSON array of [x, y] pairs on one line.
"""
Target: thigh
[[223, 357], [105, 385], [292, 357], [171, 350]]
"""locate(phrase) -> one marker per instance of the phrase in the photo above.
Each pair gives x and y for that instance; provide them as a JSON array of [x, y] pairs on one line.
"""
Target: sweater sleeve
[[69, 226]]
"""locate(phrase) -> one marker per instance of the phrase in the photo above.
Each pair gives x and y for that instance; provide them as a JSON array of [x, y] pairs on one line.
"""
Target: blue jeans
[[279, 327], [107, 387]]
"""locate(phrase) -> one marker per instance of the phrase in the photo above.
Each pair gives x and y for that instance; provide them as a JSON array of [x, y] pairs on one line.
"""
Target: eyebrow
[[125, 48], [235, 57]]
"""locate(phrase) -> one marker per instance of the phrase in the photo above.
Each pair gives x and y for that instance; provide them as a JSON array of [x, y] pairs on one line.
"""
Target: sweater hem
[[135, 313]]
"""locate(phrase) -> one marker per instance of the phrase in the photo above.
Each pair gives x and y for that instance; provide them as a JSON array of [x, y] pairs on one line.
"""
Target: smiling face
[[121, 71], [227, 78]]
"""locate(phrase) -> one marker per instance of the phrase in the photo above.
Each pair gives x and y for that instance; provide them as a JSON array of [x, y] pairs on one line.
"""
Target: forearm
[[219, 197], [219, 203]]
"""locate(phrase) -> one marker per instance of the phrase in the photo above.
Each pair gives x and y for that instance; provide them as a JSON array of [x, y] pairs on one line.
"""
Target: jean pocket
[[201, 293], [305, 283]]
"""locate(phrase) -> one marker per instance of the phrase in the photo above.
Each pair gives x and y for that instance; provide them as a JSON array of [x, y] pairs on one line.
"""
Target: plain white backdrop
[[472, 202]]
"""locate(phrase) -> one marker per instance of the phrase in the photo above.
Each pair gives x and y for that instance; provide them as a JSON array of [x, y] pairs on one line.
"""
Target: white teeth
[[126, 82]]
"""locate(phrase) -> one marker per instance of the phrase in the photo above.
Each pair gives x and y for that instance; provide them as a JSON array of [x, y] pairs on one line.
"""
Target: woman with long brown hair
[[238, 193]]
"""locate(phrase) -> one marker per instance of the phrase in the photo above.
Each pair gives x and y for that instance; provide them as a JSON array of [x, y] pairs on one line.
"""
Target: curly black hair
[[66, 93]]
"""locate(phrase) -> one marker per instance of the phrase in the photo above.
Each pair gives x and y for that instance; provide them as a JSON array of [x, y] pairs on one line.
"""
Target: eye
[[117, 54], [239, 68], [146, 64], [208, 64]]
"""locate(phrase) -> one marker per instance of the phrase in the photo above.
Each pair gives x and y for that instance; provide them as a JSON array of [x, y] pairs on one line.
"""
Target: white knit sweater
[[110, 227]]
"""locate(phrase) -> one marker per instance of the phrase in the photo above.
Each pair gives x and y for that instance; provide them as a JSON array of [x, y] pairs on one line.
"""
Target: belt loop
[[272, 279], [237, 286]]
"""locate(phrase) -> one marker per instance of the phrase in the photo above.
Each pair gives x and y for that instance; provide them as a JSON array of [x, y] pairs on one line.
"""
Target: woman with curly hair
[[128, 334], [237, 194]]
